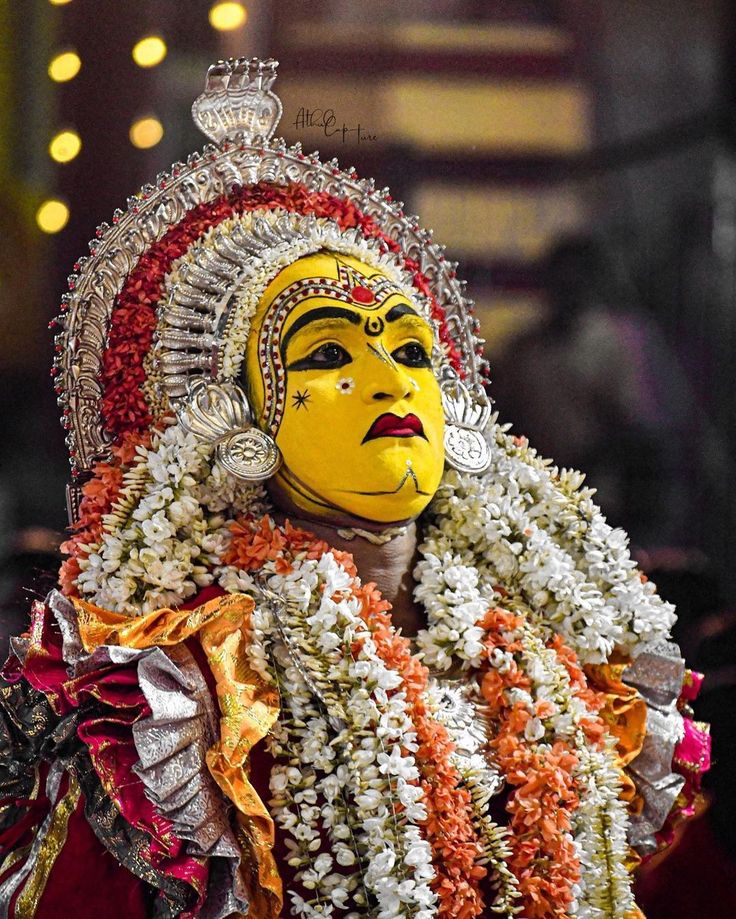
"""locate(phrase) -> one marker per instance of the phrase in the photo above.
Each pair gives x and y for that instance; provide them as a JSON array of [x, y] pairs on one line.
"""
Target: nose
[[387, 384]]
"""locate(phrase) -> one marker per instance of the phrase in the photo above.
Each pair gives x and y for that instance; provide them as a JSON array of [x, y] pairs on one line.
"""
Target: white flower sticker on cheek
[[345, 385]]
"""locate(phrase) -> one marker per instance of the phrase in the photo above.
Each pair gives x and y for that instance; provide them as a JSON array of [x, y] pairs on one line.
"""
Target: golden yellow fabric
[[625, 714], [248, 708], [99, 626], [53, 843]]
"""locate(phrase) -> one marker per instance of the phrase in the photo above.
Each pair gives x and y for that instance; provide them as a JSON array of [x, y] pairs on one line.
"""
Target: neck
[[389, 566]]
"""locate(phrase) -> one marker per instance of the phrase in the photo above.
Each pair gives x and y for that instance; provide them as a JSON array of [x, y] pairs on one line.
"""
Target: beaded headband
[[152, 287]]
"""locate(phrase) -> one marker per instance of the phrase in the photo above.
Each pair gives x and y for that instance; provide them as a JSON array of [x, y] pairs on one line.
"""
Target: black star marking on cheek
[[300, 399]]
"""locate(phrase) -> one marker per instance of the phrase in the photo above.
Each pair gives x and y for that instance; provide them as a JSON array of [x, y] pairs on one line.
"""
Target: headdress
[[167, 293]]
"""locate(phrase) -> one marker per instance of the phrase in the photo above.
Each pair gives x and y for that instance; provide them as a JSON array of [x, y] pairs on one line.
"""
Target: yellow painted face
[[358, 415]]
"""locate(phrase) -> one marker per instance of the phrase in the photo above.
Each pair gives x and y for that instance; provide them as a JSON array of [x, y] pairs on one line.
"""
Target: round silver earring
[[219, 413], [250, 455], [467, 412]]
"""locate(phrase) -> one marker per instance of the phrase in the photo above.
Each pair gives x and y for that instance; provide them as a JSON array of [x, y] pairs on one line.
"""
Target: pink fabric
[[691, 760]]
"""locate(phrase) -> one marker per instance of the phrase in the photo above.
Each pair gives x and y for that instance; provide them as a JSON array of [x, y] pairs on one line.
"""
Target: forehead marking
[[374, 325]]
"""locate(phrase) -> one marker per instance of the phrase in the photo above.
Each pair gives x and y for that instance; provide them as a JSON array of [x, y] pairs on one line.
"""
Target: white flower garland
[[167, 530], [525, 533], [525, 527], [346, 739]]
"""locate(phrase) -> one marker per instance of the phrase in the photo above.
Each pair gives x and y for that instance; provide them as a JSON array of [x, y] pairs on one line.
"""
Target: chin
[[383, 508]]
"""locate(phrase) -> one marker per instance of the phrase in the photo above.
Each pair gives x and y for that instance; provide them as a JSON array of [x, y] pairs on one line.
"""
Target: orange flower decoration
[[545, 790], [98, 496], [449, 827]]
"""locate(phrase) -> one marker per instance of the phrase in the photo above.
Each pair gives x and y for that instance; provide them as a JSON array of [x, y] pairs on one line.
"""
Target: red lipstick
[[390, 425]]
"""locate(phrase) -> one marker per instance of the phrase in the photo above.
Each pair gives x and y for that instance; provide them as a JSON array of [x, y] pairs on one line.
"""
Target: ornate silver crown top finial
[[237, 101]]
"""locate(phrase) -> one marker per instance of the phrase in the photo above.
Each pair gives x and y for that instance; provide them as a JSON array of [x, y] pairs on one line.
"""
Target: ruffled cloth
[[134, 738], [248, 709]]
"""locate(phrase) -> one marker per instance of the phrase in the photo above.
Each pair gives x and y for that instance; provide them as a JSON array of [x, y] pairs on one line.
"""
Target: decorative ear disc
[[467, 412], [220, 414]]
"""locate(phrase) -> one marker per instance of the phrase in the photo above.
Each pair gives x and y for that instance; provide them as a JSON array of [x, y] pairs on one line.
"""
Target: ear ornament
[[220, 414], [467, 412]]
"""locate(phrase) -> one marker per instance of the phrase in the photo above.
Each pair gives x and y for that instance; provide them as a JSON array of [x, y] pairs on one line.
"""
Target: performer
[[328, 640]]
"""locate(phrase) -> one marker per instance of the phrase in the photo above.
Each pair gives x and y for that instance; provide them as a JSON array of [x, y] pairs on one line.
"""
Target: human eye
[[412, 354], [325, 357]]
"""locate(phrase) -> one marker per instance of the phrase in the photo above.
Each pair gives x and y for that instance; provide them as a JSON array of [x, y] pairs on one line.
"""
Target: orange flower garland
[[449, 827], [545, 795], [98, 496]]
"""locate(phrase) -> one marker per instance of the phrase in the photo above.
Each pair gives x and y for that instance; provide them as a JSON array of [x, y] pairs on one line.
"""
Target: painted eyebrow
[[414, 321], [322, 312], [401, 309]]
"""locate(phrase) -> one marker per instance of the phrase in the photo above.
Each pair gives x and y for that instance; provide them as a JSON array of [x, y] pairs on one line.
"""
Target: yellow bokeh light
[[149, 51], [146, 132], [59, 2], [64, 66], [227, 16], [65, 146], [52, 216]]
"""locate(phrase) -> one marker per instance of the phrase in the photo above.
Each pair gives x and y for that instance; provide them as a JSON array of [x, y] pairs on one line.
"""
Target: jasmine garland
[[524, 536]]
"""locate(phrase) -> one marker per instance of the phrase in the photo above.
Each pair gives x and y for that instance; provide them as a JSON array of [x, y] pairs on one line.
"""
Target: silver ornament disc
[[250, 455], [466, 450]]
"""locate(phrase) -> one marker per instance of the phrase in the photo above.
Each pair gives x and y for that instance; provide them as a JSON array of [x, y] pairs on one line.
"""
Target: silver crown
[[230, 105], [214, 411], [465, 406], [237, 101]]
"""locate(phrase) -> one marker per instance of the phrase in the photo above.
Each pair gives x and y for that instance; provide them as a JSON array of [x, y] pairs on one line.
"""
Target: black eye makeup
[[412, 354], [326, 357]]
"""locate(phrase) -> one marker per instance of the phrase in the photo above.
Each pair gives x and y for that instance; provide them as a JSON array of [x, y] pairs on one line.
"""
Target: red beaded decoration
[[362, 294]]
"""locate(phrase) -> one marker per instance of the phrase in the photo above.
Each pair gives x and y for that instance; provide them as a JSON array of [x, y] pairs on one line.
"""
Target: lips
[[390, 425]]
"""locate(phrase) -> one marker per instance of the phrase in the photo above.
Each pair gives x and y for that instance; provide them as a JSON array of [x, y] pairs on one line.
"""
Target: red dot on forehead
[[362, 295]]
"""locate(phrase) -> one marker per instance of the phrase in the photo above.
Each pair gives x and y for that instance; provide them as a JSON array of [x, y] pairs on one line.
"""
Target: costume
[[214, 697]]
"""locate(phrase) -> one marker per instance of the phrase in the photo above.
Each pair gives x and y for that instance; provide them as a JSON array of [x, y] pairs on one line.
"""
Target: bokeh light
[[149, 51], [59, 2], [227, 16], [64, 146], [146, 132], [64, 66], [52, 215]]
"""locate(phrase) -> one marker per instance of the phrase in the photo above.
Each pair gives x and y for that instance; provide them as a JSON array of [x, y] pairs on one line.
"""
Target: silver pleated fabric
[[657, 673], [172, 745]]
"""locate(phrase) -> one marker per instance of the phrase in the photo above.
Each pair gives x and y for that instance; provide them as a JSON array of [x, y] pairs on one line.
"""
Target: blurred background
[[578, 157]]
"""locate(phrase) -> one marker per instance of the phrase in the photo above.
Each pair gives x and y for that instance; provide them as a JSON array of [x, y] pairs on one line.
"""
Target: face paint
[[345, 385], [300, 399], [370, 444]]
